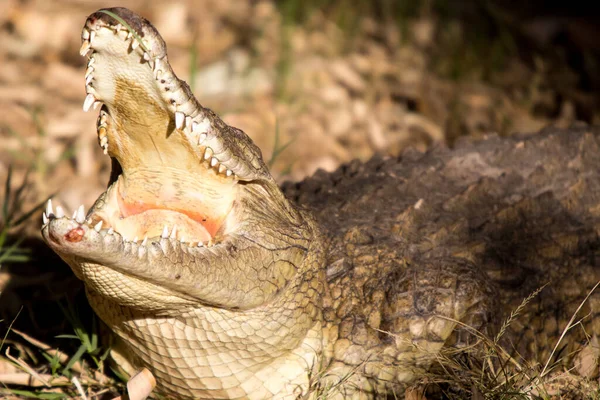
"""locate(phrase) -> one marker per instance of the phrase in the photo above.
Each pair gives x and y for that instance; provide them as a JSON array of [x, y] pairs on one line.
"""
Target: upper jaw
[[150, 121], [149, 115]]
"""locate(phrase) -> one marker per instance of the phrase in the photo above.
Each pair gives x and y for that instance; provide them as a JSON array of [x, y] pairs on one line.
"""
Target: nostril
[[75, 235]]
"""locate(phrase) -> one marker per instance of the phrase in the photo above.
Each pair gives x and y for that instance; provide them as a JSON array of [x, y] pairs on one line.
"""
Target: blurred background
[[315, 83]]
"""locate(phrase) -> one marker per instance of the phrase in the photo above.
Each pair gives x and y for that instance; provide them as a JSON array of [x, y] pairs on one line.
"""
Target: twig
[[26, 379], [26, 367], [62, 357], [79, 387]]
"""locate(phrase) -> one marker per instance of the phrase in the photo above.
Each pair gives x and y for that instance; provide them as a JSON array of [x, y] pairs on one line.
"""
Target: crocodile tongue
[[144, 199], [197, 203]]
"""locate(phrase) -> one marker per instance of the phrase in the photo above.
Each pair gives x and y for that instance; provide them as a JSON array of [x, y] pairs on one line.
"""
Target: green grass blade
[[94, 335], [27, 394], [13, 253], [29, 213], [67, 336], [76, 357], [126, 25], [7, 197], [193, 67], [277, 149], [3, 236], [9, 328]]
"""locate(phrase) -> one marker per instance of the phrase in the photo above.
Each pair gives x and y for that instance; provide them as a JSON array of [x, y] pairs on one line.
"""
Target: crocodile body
[[353, 280]]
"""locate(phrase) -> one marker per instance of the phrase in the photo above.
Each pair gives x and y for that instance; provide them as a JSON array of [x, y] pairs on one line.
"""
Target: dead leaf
[[414, 393], [141, 385], [586, 362]]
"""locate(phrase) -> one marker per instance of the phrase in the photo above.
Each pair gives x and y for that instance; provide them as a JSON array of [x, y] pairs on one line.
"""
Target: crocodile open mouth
[[171, 202], [176, 165]]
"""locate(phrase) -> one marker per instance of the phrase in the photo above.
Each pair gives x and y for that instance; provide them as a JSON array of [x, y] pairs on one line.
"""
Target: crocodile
[[225, 285]]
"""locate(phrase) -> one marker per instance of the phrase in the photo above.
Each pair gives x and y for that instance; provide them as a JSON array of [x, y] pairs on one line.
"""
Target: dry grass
[[486, 370], [30, 368], [56, 374]]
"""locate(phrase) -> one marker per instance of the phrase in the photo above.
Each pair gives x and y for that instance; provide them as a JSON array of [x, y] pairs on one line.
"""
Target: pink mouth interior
[[147, 202]]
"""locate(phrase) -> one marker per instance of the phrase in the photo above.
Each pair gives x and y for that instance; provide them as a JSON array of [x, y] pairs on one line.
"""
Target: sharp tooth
[[165, 233], [200, 244], [201, 138], [228, 173], [222, 169], [98, 226], [89, 89], [85, 34], [44, 218], [91, 61], [49, 209], [134, 44], [59, 212], [202, 126], [146, 56], [208, 153], [213, 162], [179, 119], [96, 104], [135, 239], [80, 214], [88, 79], [89, 100], [156, 65], [105, 150], [110, 231], [74, 214], [92, 36], [117, 28], [145, 240], [128, 35], [103, 141], [85, 48], [89, 70], [182, 240], [174, 232]]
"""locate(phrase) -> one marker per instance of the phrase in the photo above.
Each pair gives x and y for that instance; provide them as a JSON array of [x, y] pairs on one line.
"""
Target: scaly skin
[[355, 279]]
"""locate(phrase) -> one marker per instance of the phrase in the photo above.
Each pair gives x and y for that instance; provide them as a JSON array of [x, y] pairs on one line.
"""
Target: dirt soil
[[319, 93]]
